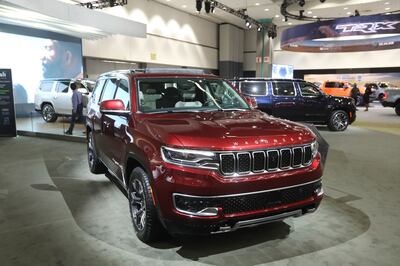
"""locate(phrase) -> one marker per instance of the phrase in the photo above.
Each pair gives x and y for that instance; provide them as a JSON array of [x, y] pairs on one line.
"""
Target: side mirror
[[113, 107], [251, 101]]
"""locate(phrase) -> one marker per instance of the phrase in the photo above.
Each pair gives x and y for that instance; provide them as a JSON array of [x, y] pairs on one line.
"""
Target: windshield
[[187, 94], [334, 85]]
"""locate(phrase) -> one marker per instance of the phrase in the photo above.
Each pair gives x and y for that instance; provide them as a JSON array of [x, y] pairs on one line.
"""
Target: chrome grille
[[240, 163]]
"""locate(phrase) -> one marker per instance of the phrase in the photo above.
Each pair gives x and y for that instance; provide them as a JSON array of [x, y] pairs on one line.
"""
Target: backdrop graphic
[[282, 71], [357, 33]]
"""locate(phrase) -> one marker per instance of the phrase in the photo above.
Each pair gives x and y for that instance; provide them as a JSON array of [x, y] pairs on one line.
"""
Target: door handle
[[285, 104]]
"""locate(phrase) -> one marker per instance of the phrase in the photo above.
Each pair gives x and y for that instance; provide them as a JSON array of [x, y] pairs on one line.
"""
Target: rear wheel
[[143, 212], [48, 113], [338, 121], [95, 165], [397, 108]]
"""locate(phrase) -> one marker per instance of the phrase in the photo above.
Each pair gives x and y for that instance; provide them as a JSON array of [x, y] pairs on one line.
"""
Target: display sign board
[[7, 111], [351, 34]]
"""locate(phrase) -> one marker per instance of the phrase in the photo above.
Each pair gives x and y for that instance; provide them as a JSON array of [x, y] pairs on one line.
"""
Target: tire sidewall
[[397, 109], [53, 117], [147, 234]]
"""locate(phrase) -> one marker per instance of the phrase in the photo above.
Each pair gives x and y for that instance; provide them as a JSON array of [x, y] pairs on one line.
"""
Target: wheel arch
[[133, 161]]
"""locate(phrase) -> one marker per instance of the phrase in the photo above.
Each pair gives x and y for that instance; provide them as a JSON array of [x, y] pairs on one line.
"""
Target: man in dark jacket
[[354, 93], [77, 107]]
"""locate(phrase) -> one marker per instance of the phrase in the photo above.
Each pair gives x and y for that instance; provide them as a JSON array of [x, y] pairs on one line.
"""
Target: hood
[[233, 130]]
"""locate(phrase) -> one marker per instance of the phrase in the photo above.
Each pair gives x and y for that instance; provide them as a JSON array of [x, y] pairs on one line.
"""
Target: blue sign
[[351, 34]]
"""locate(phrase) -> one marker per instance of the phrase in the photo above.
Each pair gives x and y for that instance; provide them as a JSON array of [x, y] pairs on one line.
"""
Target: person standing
[[354, 93], [77, 107], [367, 93]]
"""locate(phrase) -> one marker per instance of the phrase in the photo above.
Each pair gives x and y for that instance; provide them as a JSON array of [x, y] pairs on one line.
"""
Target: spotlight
[[286, 19], [207, 6], [248, 24], [302, 3], [356, 13], [259, 28], [112, 3], [272, 31], [212, 7], [301, 13], [89, 5], [322, 1], [199, 5]]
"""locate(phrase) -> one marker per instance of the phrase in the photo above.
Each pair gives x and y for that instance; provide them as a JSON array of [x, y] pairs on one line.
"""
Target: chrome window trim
[[290, 158], [246, 193], [234, 163], [237, 158], [278, 163], [264, 155]]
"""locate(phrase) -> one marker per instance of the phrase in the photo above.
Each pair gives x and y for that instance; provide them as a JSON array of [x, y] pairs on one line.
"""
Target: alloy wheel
[[340, 121], [90, 150], [138, 204], [48, 113]]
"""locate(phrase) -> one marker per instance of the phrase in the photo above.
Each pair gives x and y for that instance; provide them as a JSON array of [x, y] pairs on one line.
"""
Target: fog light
[[319, 191]]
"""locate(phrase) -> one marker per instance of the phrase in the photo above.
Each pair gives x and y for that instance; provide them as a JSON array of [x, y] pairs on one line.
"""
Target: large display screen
[[282, 71], [32, 59]]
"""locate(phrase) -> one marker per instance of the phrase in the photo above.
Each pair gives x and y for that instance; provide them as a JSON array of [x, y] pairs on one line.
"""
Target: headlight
[[314, 148], [193, 158]]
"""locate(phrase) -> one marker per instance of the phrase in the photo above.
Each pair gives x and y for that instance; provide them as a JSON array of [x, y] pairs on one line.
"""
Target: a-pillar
[[231, 42], [264, 53]]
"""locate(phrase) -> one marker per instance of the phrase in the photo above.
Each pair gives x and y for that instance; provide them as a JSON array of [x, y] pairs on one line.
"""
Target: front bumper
[[193, 202]]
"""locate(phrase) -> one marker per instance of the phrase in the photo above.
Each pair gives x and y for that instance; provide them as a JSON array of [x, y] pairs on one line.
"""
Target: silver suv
[[53, 97]]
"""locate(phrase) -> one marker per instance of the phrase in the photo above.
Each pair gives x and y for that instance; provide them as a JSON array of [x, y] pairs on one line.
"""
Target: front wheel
[[338, 121], [397, 108], [143, 212], [48, 113]]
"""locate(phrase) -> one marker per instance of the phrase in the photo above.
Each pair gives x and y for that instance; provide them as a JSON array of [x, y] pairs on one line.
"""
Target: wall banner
[[7, 111], [350, 34]]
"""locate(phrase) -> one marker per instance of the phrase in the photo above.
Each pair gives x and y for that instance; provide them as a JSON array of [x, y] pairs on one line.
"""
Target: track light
[[302, 3], [248, 23], [356, 13], [259, 28], [286, 18], [199, 5], [207, 6], [301, 13]]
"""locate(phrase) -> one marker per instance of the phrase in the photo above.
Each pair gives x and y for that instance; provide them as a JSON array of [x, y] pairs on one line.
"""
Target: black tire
[[95, 165], [48, 113], [397, 108], [338, 120], [143, 212], [380, 96]]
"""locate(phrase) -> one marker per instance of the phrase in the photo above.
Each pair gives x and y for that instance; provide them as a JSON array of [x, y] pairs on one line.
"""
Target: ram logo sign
[[369, 27]]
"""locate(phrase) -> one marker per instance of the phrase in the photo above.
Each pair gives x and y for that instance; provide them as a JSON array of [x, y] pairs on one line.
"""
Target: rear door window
[[109, 90], [283, 88]]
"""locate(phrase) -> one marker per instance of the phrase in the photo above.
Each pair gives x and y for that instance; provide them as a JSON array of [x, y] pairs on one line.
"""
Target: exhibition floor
[[53, 211]]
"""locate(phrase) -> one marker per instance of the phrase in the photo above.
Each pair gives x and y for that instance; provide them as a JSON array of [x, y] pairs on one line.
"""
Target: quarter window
[[254, 88], [283, 88], [46, 86], [109, 90], [308, 89], [123, 92]]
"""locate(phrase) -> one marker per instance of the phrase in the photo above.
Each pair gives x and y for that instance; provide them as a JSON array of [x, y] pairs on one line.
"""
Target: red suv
[[194, 156]]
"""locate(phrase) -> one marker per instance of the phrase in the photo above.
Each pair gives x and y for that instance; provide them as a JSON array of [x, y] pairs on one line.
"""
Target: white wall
[[173, 37], [371, 59]]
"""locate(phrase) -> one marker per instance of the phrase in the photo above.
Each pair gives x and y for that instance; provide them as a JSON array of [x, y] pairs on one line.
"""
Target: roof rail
[[158, 70]]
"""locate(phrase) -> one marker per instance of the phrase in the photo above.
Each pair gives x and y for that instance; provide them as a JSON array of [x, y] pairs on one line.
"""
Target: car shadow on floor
[[101, 211]]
